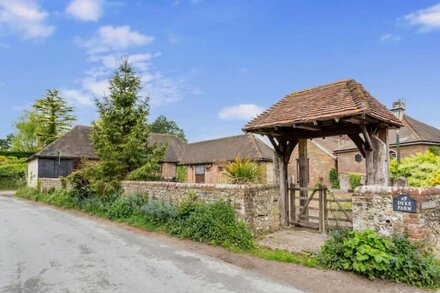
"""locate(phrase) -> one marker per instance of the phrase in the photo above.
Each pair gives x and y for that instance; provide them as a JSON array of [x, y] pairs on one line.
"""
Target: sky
[[213, 65]]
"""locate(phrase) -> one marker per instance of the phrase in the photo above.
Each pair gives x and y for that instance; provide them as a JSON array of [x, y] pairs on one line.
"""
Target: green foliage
[[17, 154], [181, 173], [421, 169], [214, 223], [375, 256], [355, 180], [242, 171], [334, 178], [163, 125], [308, 260], [5, 143], [52, 116], [435, 149], [90, 180], [120, 136], [25, 135], [159, 211], [145, 173], [12, 172]]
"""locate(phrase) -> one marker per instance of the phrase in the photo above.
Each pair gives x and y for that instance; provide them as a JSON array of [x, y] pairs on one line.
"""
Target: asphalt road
[[47, 250]]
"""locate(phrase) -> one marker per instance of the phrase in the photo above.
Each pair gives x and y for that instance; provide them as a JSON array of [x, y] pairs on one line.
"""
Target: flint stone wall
[[373, 208], [257, 205], [49, 184]]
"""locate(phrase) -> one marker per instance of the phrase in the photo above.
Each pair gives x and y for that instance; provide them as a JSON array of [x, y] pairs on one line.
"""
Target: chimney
[[398, 109]]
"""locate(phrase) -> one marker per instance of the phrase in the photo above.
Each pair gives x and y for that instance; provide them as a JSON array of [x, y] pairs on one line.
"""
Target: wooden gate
[[318, 208]]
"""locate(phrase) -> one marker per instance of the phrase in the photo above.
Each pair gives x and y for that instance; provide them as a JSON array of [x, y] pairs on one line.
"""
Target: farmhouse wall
[[373, 208]]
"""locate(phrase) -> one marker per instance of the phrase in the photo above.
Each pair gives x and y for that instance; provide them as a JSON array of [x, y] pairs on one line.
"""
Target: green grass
[[305, 259]]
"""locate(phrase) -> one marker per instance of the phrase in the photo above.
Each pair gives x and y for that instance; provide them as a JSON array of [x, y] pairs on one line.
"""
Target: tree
[[163, 125], [5, 143], [53, 116], [120, 136], [25, 137]]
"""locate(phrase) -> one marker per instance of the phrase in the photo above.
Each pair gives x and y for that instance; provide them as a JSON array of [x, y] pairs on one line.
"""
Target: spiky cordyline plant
[[242, 171]]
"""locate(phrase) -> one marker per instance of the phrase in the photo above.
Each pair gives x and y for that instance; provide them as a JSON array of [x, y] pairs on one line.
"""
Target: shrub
[[243, 172], [421, 169], [334, 178], [355, 180], [147, 172], [214, 223], [159, 211], [181, 173], [375, 256], [119, 208], [12, 172]]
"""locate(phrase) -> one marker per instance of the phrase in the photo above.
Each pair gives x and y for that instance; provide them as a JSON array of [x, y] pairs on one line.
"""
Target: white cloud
[[85, 10], [425, 19], [25, 18], [110, 38], [77, 97], [240, 112], [390, 38]]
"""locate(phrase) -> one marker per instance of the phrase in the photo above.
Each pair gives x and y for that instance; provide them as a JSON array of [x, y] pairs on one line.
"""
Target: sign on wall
[[404, 203]]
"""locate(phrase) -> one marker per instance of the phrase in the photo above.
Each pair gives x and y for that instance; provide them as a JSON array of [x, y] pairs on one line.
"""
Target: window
[[393, 155], [200, 174], [220, 169], [358, 158]]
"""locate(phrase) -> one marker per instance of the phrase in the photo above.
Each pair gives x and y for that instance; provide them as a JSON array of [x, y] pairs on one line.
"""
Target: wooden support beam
[[303, 173], [359, 142], [368, 143], [284, 148], [377, 160], [305, 127]]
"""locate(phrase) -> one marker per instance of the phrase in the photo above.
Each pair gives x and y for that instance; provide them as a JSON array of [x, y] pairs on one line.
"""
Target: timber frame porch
[[341, 108]]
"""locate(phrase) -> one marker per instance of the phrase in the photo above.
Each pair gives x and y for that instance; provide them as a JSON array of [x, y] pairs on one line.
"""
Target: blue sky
[[212, 65]]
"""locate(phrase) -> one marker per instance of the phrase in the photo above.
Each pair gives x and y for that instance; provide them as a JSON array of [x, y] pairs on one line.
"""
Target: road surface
[[43, 249]]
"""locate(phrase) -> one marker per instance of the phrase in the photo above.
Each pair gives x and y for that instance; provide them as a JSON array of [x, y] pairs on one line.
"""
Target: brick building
[[205, 160]]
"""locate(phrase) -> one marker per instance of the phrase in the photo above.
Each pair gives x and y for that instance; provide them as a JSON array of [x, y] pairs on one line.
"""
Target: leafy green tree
[[120, 136], [5, 143], [53, 116], [163, 125], [25, 137]]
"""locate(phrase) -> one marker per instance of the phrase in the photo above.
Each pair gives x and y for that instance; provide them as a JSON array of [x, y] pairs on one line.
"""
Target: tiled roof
[[412, 132], [244, 146], [326, 102], [73, 144], [76, 143]]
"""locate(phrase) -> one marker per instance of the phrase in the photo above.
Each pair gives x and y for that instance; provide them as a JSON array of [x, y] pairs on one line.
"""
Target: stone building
[[205, 160], [64, 155]]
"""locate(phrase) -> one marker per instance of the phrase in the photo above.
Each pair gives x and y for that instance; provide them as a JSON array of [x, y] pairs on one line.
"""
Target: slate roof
[[413, 132], [326, 102], [76, 144], [245, 146]]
